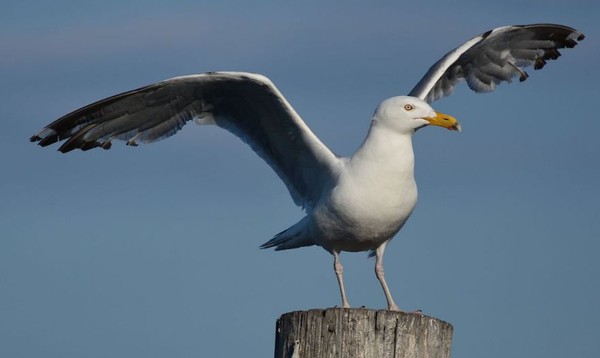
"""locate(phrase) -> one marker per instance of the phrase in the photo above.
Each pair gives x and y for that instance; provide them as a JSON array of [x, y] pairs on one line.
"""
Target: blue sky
[[153, 251]]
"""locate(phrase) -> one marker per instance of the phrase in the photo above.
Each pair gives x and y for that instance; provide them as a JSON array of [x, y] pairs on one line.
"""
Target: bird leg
[[379, 272], [339, 270]]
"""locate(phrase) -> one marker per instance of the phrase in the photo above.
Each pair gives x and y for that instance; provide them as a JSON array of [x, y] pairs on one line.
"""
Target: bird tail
[[294, 237]]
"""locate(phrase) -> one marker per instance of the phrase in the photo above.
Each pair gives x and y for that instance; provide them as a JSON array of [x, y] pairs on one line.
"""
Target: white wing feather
[[248, 105], [496, 56]]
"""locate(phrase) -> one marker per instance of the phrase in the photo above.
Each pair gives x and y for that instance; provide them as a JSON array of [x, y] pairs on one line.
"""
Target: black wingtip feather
[[569, 43], [66, 147], [539, 63], [552, 54], [47, 140], [89, 145]]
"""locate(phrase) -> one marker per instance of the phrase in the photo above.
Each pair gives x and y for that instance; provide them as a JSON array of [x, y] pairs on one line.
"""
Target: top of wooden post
[[361, 333]]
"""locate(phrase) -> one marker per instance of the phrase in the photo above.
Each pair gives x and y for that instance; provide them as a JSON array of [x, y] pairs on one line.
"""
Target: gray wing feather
[[248, 105], [496, 56]]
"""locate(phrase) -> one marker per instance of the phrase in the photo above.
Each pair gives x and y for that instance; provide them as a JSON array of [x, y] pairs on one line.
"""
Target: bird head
[[406, 114]]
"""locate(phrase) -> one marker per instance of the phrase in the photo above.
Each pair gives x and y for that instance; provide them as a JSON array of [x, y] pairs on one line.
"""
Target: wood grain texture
[[361, 333]]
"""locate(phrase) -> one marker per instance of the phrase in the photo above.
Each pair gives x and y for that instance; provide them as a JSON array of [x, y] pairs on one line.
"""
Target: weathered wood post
[[361, 333]]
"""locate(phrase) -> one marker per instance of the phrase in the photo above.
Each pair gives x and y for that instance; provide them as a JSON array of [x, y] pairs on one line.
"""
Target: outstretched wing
[[495, 56], [248, 105]]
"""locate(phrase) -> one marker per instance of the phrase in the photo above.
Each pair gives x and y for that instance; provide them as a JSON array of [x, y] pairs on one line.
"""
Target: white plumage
[[352, 204]]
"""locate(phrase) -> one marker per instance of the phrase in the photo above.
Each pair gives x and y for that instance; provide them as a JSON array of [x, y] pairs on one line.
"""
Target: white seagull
[[352, 204]]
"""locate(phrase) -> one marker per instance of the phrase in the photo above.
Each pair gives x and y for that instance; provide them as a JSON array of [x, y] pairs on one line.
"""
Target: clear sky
[[153, 251]]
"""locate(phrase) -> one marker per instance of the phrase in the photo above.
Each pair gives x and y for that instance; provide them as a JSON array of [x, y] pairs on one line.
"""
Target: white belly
[[362, 213]]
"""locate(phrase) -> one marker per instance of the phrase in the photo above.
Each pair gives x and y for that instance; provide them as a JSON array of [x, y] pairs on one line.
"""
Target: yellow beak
[[444, 120]]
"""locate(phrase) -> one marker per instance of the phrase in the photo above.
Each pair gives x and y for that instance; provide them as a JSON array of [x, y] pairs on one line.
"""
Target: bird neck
[[385, 151]]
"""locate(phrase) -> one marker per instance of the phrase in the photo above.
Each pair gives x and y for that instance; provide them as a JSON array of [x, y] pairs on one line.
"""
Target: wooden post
[[361, 333]]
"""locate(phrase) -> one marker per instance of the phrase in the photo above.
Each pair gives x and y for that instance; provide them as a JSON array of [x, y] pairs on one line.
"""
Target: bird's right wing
[[496, 56], [248, 105]]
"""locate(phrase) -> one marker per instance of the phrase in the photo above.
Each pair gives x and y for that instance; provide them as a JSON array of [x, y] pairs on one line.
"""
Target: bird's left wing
[[248, 105], [496, 56]]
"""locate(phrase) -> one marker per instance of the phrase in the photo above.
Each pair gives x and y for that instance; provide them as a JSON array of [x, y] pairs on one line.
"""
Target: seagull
[[353, 204]]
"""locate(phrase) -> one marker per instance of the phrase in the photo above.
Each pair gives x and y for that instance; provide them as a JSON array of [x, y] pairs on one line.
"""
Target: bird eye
[[408, 107]]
